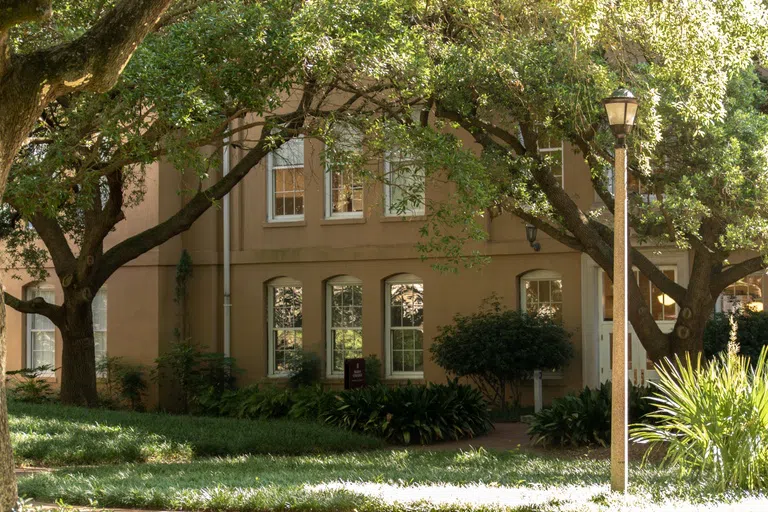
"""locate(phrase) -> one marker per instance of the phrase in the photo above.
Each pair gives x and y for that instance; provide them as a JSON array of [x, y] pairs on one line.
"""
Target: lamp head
[[621, 107]]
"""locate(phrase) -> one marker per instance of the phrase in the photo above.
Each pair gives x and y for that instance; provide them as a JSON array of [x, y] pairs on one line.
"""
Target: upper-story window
[[284, 320], [404, 330], [405, 186], [553, 150], [99, 309], [344, 303], [285, 181], [41, 333], [344, 187], [541, 292], [744, 293]]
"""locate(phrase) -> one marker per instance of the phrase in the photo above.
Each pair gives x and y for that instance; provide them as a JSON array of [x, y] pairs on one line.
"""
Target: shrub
[[202, 377], [303, 368], [29, 384], [713, 417], [497, 347], [412, 413], [121, 383], [751, 333], [372, 371], [311, 403], [585, 418], [256, 403]]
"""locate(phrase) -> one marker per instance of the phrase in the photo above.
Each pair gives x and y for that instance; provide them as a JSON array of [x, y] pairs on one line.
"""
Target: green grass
[[381, 480], [55, 435]]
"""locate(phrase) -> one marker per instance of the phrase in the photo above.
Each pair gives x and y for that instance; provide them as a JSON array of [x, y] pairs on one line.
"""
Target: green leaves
[[712, 418]]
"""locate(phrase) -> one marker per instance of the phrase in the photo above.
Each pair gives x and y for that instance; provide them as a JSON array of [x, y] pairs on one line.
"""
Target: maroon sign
[[354, 373]]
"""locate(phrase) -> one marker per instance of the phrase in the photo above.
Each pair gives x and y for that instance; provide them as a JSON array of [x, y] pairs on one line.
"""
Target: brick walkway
[[505, 436]]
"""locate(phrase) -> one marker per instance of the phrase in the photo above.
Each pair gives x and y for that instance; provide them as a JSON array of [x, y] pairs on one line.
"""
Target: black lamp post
[[530, 235], [621, 108]]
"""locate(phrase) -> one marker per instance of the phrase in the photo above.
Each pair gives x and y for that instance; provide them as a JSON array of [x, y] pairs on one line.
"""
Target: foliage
[[311, 403], [31, 384], [585, 418], [373, 370], [712, 418], [751, 333], [258, 403], [184, 269], [57, 435], [497, 347], [203, 377], [304, 368], [122, 382], [412, 413]]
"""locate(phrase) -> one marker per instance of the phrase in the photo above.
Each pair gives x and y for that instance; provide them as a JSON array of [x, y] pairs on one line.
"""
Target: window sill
[[406, 376], [330, 221], [403, 218], [279, 376], [284, 223]]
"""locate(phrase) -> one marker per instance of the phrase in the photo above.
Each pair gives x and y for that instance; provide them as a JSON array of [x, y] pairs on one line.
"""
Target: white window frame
[[278, 283], [538, 275], [29, 293], [336, 281], [399, 279], [271, 168], [555, 149], [103, 291], [421, 210], [329, 213]]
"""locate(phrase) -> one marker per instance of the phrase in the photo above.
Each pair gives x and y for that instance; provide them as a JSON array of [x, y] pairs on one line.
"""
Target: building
[[331, 265]]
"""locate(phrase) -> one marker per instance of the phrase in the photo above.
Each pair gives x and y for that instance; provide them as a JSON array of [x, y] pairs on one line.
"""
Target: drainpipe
[[226, 251]]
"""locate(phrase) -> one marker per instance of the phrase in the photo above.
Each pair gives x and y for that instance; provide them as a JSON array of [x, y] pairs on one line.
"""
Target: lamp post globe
[[621, 107]]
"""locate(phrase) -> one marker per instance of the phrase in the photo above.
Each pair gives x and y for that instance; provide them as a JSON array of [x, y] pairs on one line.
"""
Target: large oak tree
[[29, 80]]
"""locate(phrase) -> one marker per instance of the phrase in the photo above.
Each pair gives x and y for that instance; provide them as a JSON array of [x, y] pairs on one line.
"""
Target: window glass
[[405, 188], [744, 293], [41, 331], [553, 151], [346, 323], [287, 179], [543, 296], [99, 309], [661, 305], [406, 327], [285, 324]]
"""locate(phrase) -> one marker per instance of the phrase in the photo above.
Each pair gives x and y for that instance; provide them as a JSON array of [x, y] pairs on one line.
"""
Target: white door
[[663, 309]]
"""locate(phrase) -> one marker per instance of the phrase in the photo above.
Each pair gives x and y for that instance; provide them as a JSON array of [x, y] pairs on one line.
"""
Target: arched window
[[344, 321], [404, 333], [541, 291], [284, 322], [41, 333]]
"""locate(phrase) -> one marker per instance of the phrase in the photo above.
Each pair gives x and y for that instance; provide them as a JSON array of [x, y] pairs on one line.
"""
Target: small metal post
[[537, 391]]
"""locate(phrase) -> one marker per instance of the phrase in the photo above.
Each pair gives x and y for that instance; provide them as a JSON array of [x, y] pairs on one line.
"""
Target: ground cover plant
[[391, 480], [55, 435]]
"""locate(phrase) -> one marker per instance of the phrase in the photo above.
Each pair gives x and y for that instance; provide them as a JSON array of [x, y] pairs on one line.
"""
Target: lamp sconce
[[530, 235]]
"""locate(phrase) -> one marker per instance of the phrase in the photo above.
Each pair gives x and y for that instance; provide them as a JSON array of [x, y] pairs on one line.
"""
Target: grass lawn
[[55, 435], [396, 480]]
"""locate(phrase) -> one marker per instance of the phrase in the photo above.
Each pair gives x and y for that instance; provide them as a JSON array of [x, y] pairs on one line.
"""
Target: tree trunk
[[8, 494], [78, 357]]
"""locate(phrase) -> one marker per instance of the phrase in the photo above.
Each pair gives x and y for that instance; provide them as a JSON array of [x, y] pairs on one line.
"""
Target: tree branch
[[37, 306], [733, 273]]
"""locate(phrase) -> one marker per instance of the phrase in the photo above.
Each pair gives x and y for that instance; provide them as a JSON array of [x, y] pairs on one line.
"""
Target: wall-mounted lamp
[[530, 234]]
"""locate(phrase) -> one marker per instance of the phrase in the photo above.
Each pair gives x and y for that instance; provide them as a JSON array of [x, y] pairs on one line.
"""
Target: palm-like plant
[[713, 419]]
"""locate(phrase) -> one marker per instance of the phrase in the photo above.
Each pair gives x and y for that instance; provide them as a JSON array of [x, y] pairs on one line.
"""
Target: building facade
[[327, 263]]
